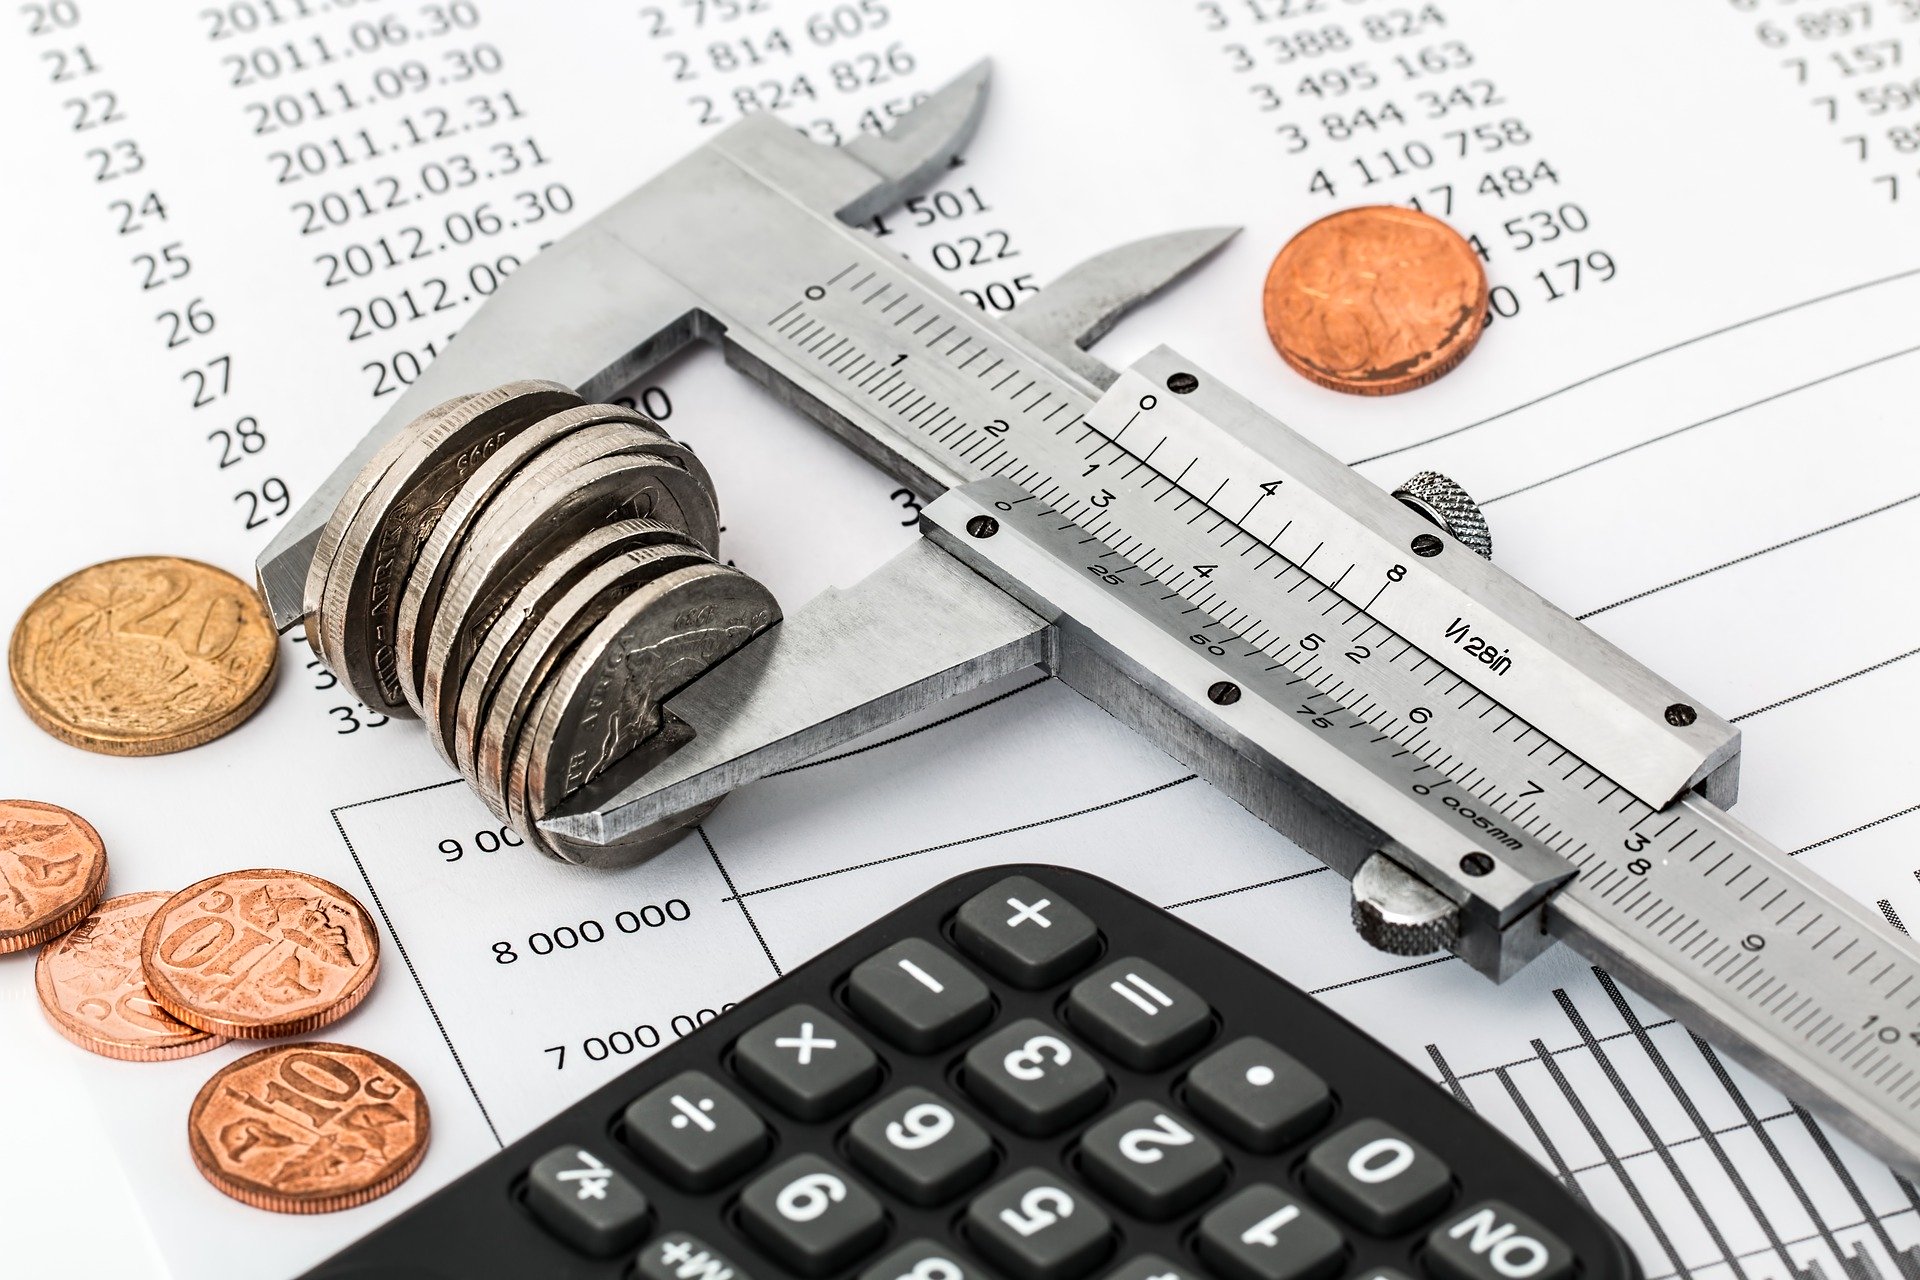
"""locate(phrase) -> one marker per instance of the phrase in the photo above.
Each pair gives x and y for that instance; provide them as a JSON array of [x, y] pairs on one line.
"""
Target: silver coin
[[344, 511], [603, 701], [362, 593], [464, 678], [553, 637], [636, 847], [421, 595], [597, 475]]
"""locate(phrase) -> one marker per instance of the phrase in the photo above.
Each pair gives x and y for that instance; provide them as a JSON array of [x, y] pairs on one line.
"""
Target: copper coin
[[1376, 300], [53, 869], [94, 993], [308, 1128], [258, 954], [143, 656]]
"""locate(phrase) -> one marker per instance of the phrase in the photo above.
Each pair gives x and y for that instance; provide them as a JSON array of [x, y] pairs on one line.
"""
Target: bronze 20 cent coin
[[53, 869], [143, 656], [308, 1128], [93, 990], [1375, 300], [262, 953]]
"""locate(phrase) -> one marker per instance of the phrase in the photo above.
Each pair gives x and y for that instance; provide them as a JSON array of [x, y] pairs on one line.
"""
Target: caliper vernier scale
[[1489, 773]]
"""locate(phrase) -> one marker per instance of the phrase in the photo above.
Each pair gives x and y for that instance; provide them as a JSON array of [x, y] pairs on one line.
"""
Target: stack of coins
[[532, 577]]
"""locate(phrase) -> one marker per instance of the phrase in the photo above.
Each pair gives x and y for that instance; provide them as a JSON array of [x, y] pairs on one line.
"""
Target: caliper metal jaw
[[995, 587], [687, 255]]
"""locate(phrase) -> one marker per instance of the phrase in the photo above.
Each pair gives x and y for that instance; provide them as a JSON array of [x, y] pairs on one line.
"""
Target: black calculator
[[1026, 1073]]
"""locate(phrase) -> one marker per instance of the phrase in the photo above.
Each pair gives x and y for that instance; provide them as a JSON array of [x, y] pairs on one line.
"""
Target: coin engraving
[[1375, 300], [308, 1128], [255, 954], [53, 867], [143, 656], [94, 991]]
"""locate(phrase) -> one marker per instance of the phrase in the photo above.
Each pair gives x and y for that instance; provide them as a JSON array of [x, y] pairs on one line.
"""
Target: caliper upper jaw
[[595, 312]]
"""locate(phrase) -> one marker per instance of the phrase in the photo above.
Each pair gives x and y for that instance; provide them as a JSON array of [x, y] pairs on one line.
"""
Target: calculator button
[[585, 1201], [1263, 1233], [1258, 1096], [922, 1260], [1150, 1160], [811, 1216], [1381, 1273], [1378, 1178], [695, 1132], [920, 1146], [1151, 1266], [1037, 1228], [1033, 1079], [1026, 933], [918, 996], [1137, 1013], [1494, 1241], [806, 1063], [679, 1256]]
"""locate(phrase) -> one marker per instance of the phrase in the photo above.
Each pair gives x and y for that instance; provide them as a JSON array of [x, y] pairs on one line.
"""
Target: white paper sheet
[[1708, 448]]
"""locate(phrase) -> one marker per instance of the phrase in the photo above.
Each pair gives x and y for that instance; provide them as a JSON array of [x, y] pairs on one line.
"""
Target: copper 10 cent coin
[[258, 954], [308, 1128], [93, 990], [1376, 300], [143, 656], [53, 869]]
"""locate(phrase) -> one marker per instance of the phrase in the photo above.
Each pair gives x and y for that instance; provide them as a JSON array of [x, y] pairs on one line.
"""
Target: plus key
[[1025, 933]]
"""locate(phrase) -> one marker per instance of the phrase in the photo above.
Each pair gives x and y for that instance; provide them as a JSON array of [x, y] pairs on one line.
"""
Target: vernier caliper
[[1489, 773]]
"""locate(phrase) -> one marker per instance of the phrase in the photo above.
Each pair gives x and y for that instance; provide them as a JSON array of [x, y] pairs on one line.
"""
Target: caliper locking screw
[[1444, 503], [1397, 912]]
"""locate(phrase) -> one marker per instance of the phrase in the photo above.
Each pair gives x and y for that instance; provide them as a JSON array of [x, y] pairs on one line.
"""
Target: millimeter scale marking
[[940, 396]]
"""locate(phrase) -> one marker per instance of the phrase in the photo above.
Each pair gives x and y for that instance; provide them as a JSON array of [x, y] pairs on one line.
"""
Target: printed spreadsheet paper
[[233, 229]]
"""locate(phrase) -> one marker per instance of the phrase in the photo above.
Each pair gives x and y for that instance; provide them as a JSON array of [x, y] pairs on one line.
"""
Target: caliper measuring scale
[[1489, 772]]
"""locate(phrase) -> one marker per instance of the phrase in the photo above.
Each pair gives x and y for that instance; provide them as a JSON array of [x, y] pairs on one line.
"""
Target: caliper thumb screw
[[1436, 498]]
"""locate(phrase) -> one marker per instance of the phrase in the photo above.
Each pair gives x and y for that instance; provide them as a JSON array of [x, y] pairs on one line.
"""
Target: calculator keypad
[[811, 1215], [694, 1131], [1139, 1013], [1034, 1079], [679, 1256], [921, 1146], [918, 996], [1151, 1266], [585, 1200], [806, 1063], [1036, 1226], [1258, 1096], [1495, 1241], [1377, 1178], [1026, 934], [1262, 1233], [1151, 1159], [1037, 1080]]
